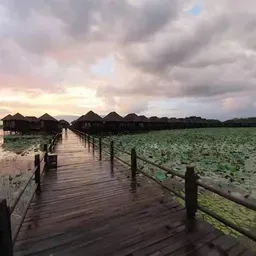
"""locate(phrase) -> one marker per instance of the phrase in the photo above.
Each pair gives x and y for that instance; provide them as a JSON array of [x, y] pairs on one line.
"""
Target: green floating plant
[[224, 157]]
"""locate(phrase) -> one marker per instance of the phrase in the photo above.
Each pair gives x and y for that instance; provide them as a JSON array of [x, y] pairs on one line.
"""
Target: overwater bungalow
[[91, 122], [19, 124], [172, 122], [7, 122], [113, 122], [143, 122], [131, 122], [164, 123], [64, 124], [49, 124], [34, 123], [154, 123], [77, 124]]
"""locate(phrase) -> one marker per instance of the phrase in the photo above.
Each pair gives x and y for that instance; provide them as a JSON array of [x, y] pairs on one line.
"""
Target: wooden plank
[[238, 249], [87, 208]]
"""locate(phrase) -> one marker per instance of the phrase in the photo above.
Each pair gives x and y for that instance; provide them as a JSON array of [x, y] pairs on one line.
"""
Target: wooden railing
[[191, 179], [7, 238]]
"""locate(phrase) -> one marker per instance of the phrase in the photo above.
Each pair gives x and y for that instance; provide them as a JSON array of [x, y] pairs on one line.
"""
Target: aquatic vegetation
[[223, 156], [20, 143], [16, 160]]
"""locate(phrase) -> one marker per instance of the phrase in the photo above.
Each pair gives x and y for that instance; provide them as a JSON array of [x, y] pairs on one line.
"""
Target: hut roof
[[113, 117], [91, 117], [32, 118], [78, 119], [153, 119], [143, 118], [164, 119], [173, 120], [131, 118], [47, 117], [62, 121], [19, 117], [6, 118]]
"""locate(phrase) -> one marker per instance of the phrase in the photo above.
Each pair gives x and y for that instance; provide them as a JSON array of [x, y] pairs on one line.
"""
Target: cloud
[[160, 53]]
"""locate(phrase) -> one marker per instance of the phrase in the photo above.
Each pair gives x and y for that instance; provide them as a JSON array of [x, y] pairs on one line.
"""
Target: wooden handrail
[[14, 204], [182, 176], [191, 184], [7, 240]]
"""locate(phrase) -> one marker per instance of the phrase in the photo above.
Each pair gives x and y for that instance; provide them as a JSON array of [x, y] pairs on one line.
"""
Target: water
[[12, 163], [15, 169]]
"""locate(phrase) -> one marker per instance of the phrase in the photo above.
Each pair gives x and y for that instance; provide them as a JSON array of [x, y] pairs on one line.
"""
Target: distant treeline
[[194, 122]]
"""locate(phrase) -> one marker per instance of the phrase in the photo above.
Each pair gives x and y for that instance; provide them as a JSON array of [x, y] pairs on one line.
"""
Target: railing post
[[191, 192], [5, 229], [100, 148], [88, 138], [46, 153], [50, 143], [133, 163], [37, 174], [112, 151], [93, 146]]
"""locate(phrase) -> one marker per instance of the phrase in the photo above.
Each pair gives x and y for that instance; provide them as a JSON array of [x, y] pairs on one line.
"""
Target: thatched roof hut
[[19, 123], [173, 120], [7, 118], [154, 119], [143, 119], [77, 120], [64, 124], [47, 117], [91, 117], [132, 117], [164, 120], [19, 117], [32, 119], [49, 124], [113, 117], [34, 123], [76, 123], [62, 121]]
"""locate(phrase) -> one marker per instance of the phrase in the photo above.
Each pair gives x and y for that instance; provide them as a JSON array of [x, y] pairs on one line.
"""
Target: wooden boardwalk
[[86, 208]]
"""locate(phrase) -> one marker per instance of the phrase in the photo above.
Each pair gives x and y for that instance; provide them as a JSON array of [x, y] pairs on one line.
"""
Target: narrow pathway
[[86, 208]]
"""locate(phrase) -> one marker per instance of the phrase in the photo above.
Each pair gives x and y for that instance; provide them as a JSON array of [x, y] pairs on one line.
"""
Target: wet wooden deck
[[86, 208]]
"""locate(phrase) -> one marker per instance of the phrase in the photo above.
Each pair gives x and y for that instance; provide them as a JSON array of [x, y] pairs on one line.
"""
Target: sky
[[166, 58]]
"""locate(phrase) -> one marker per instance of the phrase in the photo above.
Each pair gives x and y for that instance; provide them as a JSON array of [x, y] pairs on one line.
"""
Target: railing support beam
[[133, 163], [93, 144], [191, 192], [37, 174], [100, 148], [112, 151], [6, 246]]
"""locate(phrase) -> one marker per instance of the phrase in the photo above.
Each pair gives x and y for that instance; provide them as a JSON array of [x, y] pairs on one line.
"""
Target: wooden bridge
[[92, 207]]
